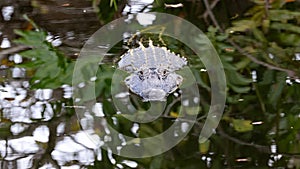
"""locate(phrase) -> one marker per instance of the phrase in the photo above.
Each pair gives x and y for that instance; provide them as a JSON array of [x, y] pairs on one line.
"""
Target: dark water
[[26, 113], [30, 136]]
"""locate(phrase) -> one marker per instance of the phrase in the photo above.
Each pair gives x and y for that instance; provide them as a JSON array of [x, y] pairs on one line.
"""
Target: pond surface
[[39, 129], [26, 113]]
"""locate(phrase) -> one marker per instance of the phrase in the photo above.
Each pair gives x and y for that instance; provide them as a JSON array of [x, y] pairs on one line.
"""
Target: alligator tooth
[[151, 43], [142, 46], [164, 48], [131, 52]]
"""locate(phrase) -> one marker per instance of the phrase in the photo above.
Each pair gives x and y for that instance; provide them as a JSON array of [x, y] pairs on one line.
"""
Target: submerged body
[[152, 71]]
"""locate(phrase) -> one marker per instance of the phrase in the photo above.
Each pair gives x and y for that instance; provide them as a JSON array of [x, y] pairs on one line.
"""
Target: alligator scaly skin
[[152, 71]]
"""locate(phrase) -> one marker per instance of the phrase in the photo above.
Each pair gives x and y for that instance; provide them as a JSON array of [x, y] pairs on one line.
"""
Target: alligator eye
[[164, 72], [141, 75]]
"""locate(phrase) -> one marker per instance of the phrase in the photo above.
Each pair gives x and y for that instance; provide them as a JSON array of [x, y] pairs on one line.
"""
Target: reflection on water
[[33, 130], [36, 127], [7, 11], [5, 43], [29, 115], [135, 6]]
